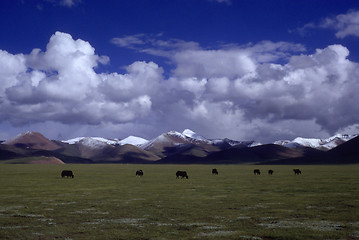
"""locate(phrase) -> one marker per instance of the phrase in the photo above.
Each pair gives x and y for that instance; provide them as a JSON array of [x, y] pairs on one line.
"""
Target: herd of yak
[[183, 174]]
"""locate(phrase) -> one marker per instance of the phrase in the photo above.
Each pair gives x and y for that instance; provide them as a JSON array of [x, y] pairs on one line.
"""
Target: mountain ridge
[[179, 148]]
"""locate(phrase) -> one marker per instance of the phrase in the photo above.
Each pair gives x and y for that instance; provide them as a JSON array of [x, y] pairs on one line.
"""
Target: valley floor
[[110, 202]]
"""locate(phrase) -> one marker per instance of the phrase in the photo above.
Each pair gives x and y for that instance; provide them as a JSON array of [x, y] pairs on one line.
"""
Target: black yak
[[139, 173], [182, 174], [67, 173], [257, 172]]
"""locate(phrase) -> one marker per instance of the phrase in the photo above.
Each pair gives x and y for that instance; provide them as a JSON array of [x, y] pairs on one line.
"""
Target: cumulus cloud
[[255, 97], [262, 91], [192, 60], [213, 63], [60, 84], [344, 24]]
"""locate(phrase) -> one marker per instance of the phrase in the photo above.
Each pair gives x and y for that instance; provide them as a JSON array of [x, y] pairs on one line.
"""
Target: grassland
[[109, 202]]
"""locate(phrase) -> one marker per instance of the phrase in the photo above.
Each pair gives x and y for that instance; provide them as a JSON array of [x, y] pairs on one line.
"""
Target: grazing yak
[[67, 173], [182, 174], [297, 171], [139, 173], [214, 171], [270, 172], [257, 172]]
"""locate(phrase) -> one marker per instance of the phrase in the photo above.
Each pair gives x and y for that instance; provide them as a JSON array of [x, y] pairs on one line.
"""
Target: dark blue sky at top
[[28, 24]]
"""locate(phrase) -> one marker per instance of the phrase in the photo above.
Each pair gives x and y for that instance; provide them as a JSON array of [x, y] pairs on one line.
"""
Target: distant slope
[[9, 152], [33, 160], [320, 144], [347, 152], [33, 140], [125, 154], [106, 153]]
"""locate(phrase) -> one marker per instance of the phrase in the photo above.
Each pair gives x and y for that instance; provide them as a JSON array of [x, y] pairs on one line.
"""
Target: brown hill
[[107, 153], [33, 140], [46, 160], [125, 154], [33, 160]]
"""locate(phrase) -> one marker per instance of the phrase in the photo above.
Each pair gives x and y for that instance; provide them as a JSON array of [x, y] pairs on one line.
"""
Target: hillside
[[244, 155], [345, 153]]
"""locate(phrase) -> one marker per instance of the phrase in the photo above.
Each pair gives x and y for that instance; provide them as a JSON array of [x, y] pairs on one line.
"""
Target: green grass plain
[[109, 202]]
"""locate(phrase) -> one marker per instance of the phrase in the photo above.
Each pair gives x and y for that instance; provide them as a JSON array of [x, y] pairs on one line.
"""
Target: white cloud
[[153, 44], [11, 66], [194, 85], [344, 24], [129, 41], [262, 91], [141, 79], [192, 60], [219, 86], [309, 90], [213, 63], [61, 85]]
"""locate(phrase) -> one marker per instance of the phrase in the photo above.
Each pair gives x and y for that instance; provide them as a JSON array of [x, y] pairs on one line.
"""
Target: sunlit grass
[[110, 202]]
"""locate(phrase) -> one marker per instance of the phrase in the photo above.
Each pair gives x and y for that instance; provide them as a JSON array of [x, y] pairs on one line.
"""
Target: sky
[[259, 70]]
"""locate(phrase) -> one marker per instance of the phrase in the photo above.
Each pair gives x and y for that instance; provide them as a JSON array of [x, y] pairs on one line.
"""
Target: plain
[[110, 202]]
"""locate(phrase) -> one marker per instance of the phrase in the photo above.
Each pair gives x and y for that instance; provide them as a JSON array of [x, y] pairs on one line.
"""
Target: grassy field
[[109, 202]]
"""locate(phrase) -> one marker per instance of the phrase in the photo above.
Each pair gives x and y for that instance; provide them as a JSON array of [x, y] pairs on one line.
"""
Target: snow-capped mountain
[[186, 143], [92, 142], [190, 134], [185, 147], [168, 139], [136, 141], [321, 144], [234, 143]]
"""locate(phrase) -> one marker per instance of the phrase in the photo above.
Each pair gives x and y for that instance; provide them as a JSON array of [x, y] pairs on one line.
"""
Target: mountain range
[[174, 147]]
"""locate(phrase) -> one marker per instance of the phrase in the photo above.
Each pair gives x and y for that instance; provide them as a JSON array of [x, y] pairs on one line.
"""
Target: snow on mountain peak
[[92, 142], [189, 133], [136, 141], [174, 133], [326, 144], [308, 142]]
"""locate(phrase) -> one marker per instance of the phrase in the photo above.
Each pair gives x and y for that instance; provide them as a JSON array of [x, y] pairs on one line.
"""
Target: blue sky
[[243, 69]]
